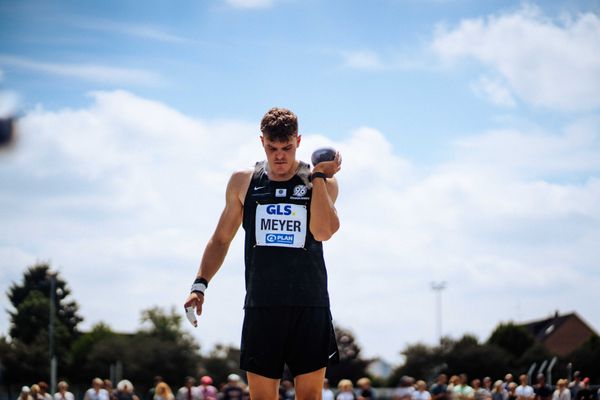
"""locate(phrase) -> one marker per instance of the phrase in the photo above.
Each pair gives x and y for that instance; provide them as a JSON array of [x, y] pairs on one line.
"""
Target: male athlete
[[287, 211]]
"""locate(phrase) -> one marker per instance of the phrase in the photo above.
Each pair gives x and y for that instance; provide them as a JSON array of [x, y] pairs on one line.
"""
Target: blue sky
[[470, 133]]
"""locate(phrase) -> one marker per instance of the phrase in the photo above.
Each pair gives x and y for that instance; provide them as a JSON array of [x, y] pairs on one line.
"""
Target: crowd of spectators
[[457, 387]]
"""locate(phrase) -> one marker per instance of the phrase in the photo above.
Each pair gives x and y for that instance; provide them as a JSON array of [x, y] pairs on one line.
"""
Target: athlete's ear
[[262, 140], [298, 140]]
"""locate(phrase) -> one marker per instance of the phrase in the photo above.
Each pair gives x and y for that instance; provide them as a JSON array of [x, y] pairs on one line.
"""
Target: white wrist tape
[[190, 313], [198, 287]]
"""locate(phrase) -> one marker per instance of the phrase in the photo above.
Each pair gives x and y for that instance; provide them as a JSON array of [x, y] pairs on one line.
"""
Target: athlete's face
[[281, 155]]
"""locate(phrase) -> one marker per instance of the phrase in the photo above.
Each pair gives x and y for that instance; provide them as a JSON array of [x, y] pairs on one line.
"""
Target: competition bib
[[281, 225]]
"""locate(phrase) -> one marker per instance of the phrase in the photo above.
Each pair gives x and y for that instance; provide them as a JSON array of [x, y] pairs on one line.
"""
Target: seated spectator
[[345, 390], [462, 391], [207, 390], [189, 391], [35, 392], [512, 391], [44, 391], [163, 392], [25, 394], [541, 390], [234, 389], [286, 390], [524, 391], [405, 389], [421, 393], [63, 392], [365, 391], [585, 393], [439, 390], [479, 393], [498, 392], [561, 392], [327, 392], [96, 392], [125, 391]]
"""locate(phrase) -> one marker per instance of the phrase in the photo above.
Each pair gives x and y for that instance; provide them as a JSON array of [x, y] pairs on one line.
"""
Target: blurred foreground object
[[7, 131]]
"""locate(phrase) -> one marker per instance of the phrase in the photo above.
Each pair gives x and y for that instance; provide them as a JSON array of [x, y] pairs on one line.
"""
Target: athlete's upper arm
[[231, 217], [332, 188]]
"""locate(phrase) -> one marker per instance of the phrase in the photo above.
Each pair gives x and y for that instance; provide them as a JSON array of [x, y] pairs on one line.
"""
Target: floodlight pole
[[52, 276], [437, 287]]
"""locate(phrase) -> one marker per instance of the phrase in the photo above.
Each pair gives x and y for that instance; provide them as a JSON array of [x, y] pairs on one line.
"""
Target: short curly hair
[[279, 124]]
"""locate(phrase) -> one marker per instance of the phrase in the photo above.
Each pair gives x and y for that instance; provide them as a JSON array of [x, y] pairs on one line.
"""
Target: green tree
[[351, 365], [586, 357], [421, 361], [27, 352], [221, 361], [514, 339]]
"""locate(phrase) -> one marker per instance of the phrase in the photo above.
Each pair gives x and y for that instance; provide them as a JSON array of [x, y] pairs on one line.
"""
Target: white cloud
[[249, 4], [548, 63], [9, 103], [493, 90], [363, 59], [123, 194], [89, 72], [143, 31]]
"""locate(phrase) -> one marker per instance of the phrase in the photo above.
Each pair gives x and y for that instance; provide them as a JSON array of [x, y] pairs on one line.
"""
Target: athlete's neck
[[285, 176]]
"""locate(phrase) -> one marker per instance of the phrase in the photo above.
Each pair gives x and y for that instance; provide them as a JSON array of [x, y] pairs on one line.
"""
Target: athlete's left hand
[[330, 168]]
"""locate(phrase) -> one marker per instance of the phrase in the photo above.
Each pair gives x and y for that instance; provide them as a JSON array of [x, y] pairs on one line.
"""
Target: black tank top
[[284, 262]]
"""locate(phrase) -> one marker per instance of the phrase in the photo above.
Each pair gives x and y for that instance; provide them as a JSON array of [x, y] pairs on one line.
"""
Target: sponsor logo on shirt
[[279, 238], [280, 192]]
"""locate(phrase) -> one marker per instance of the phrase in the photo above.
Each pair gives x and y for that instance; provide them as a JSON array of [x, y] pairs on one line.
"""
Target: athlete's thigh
[[309, 386], [262, 388]]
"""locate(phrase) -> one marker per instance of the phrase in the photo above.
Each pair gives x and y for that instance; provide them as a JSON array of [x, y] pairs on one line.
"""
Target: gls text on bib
[[281, 225]]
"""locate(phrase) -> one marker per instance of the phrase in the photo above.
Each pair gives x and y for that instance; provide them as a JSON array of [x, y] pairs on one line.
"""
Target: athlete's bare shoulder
[[238, 184]]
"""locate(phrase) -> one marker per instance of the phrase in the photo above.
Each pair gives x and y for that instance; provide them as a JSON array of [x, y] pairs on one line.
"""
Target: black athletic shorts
[[301, 337]]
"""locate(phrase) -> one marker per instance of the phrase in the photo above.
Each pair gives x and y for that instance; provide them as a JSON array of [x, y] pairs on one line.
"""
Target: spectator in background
[[365, 391], [35, 392], [479, 393], [163, 392], [462, 391], [405, 388], [96, 392], [524, 391], [541, 389], [439, 390], [585, 393], [207, 390], [188, 391], [575, 384], [561, 392], [108, 385], [498, 392], [421, 393], [487, 387], [512, 391], [286, 390], [454, 381], [25, 394], [157, 379], [233, 390], [63, 392], [508, 379], [345, 390], [327, 392], [44, 391], [125, 391]]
